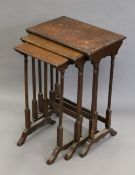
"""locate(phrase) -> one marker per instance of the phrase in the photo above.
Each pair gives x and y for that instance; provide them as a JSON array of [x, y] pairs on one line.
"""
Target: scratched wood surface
[[52, 46], [41, 54], [78, 35]]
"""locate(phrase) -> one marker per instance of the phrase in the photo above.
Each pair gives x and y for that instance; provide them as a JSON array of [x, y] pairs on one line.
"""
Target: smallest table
[[40, 112]]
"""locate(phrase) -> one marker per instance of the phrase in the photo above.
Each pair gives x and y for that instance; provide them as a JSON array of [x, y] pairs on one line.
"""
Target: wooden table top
[[78, 35], [52, 46], [41, 54]]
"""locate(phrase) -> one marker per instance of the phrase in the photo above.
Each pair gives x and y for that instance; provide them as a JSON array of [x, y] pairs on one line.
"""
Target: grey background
[[110, 156]]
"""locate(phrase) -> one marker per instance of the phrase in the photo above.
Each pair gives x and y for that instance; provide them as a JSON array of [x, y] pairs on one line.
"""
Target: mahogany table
[[61, 42]]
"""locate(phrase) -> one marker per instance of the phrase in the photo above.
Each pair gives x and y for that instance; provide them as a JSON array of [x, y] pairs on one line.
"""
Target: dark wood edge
[[70, 108]]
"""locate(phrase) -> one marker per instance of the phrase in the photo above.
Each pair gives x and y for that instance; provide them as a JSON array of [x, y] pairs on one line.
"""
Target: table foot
[[97, 137], [71, 151], [85, 149], [22, 139], [34, 126], [112, 132], [57, 150], [54, 155]]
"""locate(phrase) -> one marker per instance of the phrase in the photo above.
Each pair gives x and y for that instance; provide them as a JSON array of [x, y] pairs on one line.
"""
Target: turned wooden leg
[[34, 101], [54, 91], [40, 94], [109, 111], [51, 93], [78, 123], [57, 83], [45, 99], [57, 89], [60, 127], [27, 110], [93, 120]]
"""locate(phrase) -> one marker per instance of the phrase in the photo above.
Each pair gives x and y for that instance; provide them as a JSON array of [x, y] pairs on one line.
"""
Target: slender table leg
[[60, 127], [57, 83], [27, 110], [78, 123], [34, 101], [51, 93], [45, 99], [54, 92], [93, 120], [109, 111], [40, 94], [57, 88]]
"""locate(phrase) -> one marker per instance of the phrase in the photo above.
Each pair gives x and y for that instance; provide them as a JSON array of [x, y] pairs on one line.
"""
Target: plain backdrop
[[112, 155]]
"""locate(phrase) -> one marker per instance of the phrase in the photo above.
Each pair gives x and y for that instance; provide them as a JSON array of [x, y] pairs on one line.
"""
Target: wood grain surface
[[41, 54], [52, 46], [78, 35]]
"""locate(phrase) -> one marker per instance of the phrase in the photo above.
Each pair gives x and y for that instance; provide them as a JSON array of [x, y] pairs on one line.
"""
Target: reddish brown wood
[[45, 100], [27, 110], [40, 94], [57, 83], [94, 100], [93, 44], [109, 111], [60, 146], [70, 109], [39, 120], [34, 101], [78, 35], [78, 123], [52, 46], [93, 120], [60, 127], [41, 54], [51, 93], [51, 77]]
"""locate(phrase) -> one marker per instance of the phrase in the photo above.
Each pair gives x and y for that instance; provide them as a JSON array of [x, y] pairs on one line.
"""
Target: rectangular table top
[[78, 35], [52, 46], [41, 54]]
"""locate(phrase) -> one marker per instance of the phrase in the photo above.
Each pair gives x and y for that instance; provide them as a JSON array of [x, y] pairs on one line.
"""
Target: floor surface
[[111, 155]]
